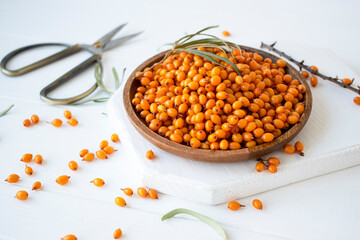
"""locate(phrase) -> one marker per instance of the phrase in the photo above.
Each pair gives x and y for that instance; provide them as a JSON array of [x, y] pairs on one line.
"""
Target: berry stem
[[301, 65], [301, 153]]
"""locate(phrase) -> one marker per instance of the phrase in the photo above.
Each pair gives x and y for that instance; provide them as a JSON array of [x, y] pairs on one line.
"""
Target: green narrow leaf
[[3, 113], [95, 100], [197, 52], [117, 80], [99, 79], [209, 221]]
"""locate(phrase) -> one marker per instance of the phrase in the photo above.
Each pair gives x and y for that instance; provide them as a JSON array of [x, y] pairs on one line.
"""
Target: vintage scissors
[[96, 49]]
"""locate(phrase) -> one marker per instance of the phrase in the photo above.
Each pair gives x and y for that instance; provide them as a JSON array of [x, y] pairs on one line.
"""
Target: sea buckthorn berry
[[259, 167], [305, 74], [101, 154], [117, 233], [150, 155], [347, 81], [26, 123], [73, 122], [272, 168], [36, 185], [12, 178], [73, 165], [153, 194], [314, 68], [357, 100], [22, 195], [313, 81], [83, 152], [28, 170], [98, 182], [114, 137], [234, 205], [69, 237], [109, 149], [267, 137], [257, 204], [226, 33], [299, 148], [35, 119], [27, 157], [38, 159], [62, 180], [127, 191], [56, 122], [290, 149], [67, 114], [281, 63], [88, 157], [273, 161], [103, 144], [142, 192]]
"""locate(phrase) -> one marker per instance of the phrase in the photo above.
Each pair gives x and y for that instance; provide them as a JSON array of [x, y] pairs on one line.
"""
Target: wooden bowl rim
[[215, 155]]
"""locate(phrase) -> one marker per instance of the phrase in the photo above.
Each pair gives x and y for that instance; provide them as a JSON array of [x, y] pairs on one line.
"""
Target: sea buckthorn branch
[[301, 66]]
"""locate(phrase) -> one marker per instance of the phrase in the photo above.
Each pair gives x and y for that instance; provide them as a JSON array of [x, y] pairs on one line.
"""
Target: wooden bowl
[[213, 155]]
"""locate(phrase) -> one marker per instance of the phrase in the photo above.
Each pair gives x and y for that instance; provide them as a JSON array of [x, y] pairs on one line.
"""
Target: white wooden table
[[321, 208]]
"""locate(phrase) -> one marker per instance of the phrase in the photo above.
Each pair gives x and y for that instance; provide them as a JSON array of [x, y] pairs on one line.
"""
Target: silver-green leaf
[[3, 113]]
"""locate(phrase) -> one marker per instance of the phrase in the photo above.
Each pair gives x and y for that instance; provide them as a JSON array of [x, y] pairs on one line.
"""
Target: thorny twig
[[301, 65]]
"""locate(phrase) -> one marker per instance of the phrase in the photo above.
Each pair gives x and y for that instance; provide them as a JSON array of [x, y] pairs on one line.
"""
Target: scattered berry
[[109, 149], [69, 237], [12, 178], [273, 161], [62, 180], [67, 114], [290, 149], [127, 191], [272, 168], [114, 137], [305, 74], [28, 170], [313, 81], [299, 148], [150, 155], [26, 123], [56, 122], [27, 157], [257, 204], [73, 122], [83, 152], [98, 182], [357, 100], [101, 154], [35, 119], [103, 144], [89, 157], [22, 195], [117, 233], [226, 33], [36, 186], [234, 205], [153, 194], [259, 167], [120, 201], [347, 81], [142, 192], [73, 165], [38, 159]]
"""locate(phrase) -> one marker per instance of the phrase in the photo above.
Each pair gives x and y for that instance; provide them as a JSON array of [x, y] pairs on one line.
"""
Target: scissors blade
[[107, 37], [117, 42]]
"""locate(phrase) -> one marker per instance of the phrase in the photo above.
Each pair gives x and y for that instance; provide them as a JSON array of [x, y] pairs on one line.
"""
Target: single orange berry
[[56, 122], [73, 122], [114, 137], [103, 144], [12, 178], [153, 194], [313, 81], [234, 205], [259, 167], [27, 157], [299, 148], [117, 233], [347, 81], [305, 74], [98, 182], [314, 68], [83, 152], [26, 123], [22, 195], [101, 154], [150, 155], [62, 180], [38, 159], [142, 192], [290, 149], [357, 100], [89, 157], [127, 191], [274, 161], [67, 114], [35, 119], [73, 165], [69, 237], [28, 170], [226, 33], [120, 201], [257, 204], [272, 168], [36, 186], [109, 149]]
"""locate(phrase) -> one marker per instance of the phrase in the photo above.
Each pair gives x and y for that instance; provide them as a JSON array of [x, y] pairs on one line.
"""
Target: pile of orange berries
[[189, 100]]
